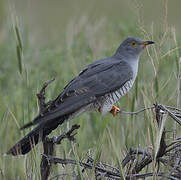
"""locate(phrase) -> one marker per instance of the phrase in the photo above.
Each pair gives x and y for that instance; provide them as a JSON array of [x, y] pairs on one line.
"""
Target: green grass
[[108, 138]]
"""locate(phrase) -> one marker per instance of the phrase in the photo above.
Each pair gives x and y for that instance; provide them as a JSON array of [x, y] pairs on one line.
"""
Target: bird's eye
[[133, 43]]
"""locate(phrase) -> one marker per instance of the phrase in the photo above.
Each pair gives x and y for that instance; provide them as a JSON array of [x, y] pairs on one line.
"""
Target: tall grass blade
[[98, 152], [19, 49], [77, 161], [18, 37], [156, 85], [116, 154]]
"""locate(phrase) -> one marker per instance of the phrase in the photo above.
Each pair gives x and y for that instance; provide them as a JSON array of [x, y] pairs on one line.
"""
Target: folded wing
[[95, 81]]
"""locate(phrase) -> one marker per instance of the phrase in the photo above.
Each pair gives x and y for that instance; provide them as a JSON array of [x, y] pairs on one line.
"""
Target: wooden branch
[[107, 172], [41, 97], [48, 147]]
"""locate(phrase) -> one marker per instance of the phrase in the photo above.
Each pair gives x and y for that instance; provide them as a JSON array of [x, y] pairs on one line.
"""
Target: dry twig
[[41, 97]]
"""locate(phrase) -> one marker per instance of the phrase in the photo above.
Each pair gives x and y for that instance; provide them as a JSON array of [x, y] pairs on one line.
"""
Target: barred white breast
[[113, 97]]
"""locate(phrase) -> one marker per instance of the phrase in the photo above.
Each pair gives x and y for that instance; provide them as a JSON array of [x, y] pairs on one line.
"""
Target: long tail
[[32, 138]]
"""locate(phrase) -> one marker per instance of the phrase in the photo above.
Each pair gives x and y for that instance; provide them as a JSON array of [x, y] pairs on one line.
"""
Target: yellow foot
[[114, 110]]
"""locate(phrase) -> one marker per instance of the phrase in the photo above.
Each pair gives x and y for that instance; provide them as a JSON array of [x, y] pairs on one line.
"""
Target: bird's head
[[133, 46]]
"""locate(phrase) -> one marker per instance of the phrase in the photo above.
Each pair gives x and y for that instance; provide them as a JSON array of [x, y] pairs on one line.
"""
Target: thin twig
[[173, 108], [137, 112], [68, 135], [178, 140]]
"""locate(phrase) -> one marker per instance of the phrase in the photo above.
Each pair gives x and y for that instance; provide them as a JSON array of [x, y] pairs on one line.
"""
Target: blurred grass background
[[59, 38]]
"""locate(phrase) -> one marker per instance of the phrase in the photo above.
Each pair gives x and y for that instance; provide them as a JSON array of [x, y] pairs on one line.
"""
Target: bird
[[98, 87]]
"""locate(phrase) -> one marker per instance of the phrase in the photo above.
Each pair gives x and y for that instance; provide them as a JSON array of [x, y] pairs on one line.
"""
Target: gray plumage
[[100, 85]]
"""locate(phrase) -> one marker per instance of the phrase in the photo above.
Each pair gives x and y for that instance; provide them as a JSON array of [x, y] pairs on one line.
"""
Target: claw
[[115, 110]]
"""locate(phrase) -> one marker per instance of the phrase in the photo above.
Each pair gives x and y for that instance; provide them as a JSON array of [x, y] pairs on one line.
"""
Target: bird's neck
[[129, 58], [134, 65]]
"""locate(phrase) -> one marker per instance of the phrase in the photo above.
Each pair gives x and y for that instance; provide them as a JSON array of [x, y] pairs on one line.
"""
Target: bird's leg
[[114, 110]]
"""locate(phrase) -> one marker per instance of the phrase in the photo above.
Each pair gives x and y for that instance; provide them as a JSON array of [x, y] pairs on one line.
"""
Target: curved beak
[[145, 43]]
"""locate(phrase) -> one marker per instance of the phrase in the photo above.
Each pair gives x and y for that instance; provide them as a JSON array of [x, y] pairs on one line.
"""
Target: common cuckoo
[[98, 86]]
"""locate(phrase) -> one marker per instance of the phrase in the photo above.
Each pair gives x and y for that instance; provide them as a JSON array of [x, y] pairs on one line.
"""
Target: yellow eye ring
[[133, 43]]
